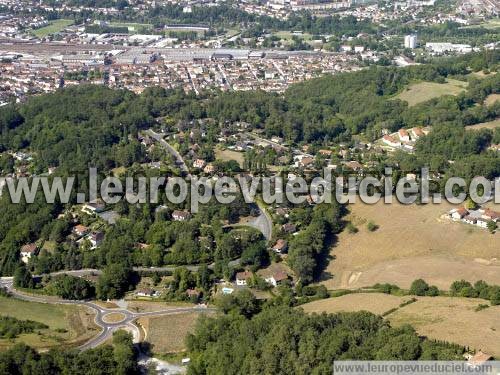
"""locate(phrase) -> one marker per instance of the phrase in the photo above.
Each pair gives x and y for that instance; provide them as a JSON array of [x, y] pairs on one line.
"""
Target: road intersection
[[107, 327]]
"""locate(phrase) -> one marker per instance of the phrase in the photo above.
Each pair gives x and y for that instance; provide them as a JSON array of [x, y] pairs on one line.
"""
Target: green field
[[288, 35], [421, 92], [54, 27], [68, 325], [227, 155]]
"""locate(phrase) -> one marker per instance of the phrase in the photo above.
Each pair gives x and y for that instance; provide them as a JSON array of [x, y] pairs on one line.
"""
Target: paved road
[[180, 161], [295, 151], [263, 223], [94, 271], [107, 329]]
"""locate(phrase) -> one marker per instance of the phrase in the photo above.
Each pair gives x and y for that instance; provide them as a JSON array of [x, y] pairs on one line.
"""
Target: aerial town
[[120, 118], [38, 55]]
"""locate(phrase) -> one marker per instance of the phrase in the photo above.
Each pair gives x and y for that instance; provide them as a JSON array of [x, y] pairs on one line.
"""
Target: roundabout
[[113, 317]]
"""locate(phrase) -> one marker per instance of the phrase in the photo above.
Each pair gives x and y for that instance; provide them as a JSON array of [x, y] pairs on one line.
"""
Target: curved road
[[263, 223], [107, 329], [180, 161]]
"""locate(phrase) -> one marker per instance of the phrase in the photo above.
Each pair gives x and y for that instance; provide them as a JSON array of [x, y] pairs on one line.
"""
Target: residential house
[[28, 251], [243, 277], [403, 135], [470, 220], [459, 214], [209, 169], [478, 359], [282, 211], [489, 214], [306, 162], [199, 163], [280, 247], [416, 133], [289, 228], [96, 238], [146, 141], [147, 292], [178, 215], [326, 153], [274, 275], [94, 207], [482, 223], [354, 165], [389, 140], [80, 230]]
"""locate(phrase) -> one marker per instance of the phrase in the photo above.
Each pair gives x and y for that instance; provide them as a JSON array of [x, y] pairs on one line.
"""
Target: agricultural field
[[454, 320], [68, 325], [485, 125], [54, 27], [411, 242], [167, 333], [421, 92], [376, 303], [227, 155], [492, 98], [450, 319]]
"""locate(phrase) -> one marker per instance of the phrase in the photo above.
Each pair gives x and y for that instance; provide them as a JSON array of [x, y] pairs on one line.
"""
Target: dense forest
[[118, 358], [281, 340]]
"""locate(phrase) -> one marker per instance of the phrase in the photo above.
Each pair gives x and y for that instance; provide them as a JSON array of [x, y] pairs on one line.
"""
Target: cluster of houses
[[274, 275], [179, 215], [404, 139], [82, 233], [79, 234], [479, 217]]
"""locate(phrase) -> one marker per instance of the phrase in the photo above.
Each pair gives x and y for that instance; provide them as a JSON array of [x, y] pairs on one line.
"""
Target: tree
[[470, 204], [419, 287], [255, 254], [242, 302], [113, 282], [284, 340], [457, 287], [371, 226], [23, 277], [123, 352], [72, 287], [492, 226]]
